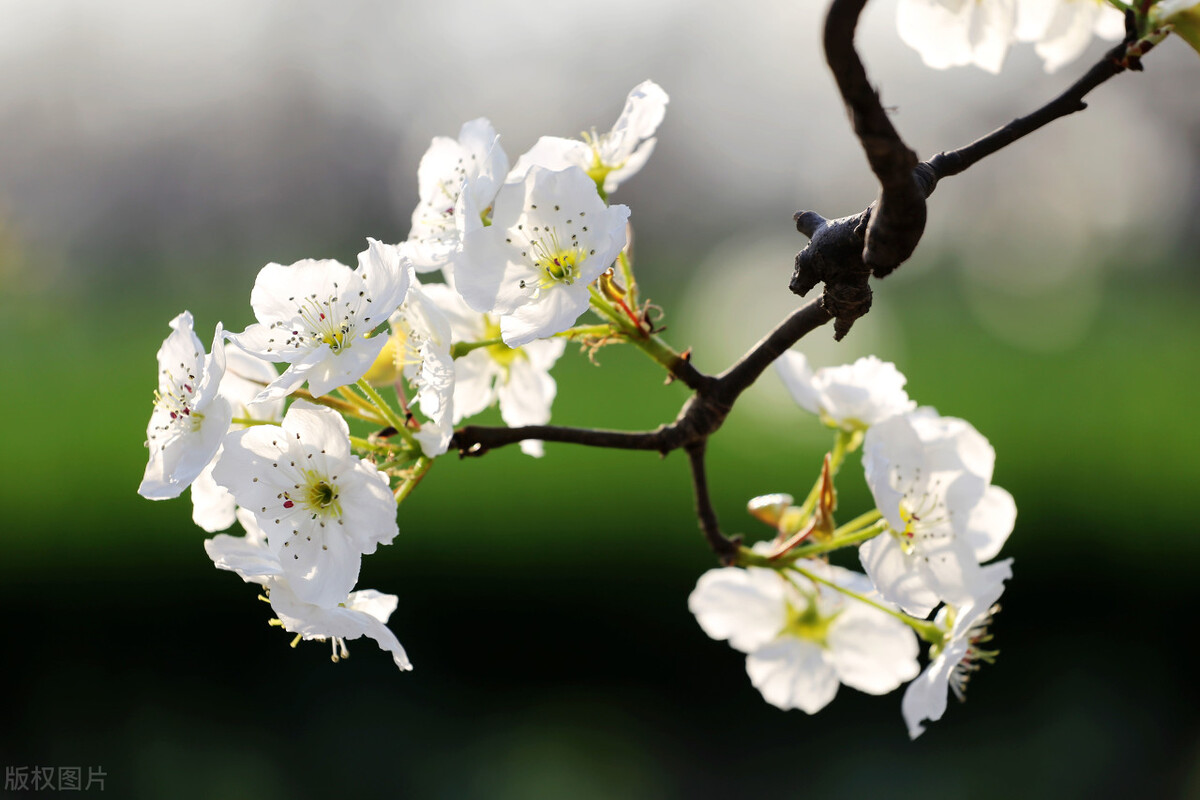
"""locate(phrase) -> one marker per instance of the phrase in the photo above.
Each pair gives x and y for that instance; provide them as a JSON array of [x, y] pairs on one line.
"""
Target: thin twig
[[945, 164], [726, 549]]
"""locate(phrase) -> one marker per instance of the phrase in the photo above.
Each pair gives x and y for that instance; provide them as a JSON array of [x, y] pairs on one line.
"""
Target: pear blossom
[[931, 479], [1062, 29], [457, 181], [245, 376], [551, 235], [361, 613], [608, 158], [418, 350], [953, 33], [959, 655], [518, 378], [851, 397], [803, 638], [317, 317], [321, 508], [190, 416]]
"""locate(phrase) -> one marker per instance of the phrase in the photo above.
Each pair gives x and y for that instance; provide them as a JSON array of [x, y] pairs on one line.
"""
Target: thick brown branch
[[725, 548], [475, 440], [735, 380], [945, 164], [898, 218]]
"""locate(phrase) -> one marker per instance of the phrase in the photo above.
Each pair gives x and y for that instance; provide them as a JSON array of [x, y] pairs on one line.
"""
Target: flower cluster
[[951, 33], [806, 625], [522, 253]]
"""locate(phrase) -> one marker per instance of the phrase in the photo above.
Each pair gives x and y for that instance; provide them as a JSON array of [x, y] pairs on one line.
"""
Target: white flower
[[804, 638], [245, 376], [952, 33], [317, 316], [476, 162], [851, 397], [361, 613], [322, 508], [959, 655], [1062, 29], [189, 416], [608, 158], [519, 378], [931, 477], [551, 235], [421, 339]]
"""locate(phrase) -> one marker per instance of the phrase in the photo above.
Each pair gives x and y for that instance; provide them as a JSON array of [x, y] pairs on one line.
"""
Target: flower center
[[318, 495], [501, 353], [808, 624]]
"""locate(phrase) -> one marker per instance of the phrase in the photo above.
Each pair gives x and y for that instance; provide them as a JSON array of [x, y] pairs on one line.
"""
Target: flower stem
[[927, 630], [365, 413], [842, 538], [387, 411], [626, 264], [418, 472], [247, 421], [460, 349], [647, 342]]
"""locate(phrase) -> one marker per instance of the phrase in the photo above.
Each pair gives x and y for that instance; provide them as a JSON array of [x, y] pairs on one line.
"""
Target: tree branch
[[725, 548], [735, 380], [945, 164], [898, 219], [475, 440]]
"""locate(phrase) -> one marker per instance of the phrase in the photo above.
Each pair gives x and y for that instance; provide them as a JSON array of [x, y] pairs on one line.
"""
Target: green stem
[[342, 407], [748, 558], [627, 273], [247, 421], [460, 349], [382, 448], [355, 399], [387, 411], [927, 630], [863, 520], [587, 330], [418, 472], [648, 343]]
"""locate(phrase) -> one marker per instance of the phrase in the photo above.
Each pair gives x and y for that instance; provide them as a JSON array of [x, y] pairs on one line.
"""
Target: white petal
[[871, 651], [792, 673], [213, 507], [797, 376], [745, 606], [358, 618], [899, 577], [991, 522]]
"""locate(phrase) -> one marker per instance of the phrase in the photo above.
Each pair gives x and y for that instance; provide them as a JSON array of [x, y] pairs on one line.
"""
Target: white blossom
[[420, 349], [1062, 29], [931, 477], [245, 376], [952, 33], [190, 416], [608, 158], [518, 378], [361, 613], [321, 507], [802, 638], [851, 397], [457, 181], [959, 656], [551, 235], [317, 317]]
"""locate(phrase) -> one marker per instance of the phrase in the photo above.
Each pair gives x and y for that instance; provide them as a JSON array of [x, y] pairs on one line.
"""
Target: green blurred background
[[156, 158]]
